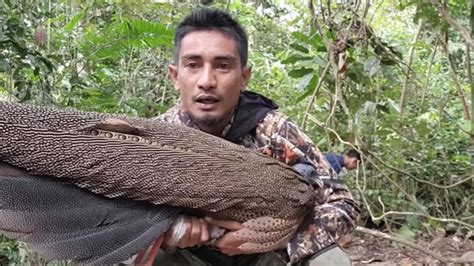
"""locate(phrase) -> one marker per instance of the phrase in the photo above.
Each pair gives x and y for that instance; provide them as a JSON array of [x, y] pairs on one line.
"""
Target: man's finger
[[230, 225], [229, 244], [187, 226], [204, 231], [195, 234]]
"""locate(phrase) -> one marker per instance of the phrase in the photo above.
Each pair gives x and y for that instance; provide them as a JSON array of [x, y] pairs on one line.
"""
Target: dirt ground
[[371, 250], [368, 250]]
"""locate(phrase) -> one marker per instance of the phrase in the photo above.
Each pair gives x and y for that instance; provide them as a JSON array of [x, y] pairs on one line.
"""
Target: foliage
[[87, 59], [8, 250], [415, 148]]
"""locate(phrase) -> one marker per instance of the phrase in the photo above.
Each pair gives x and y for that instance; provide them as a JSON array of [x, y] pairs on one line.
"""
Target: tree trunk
[[469, 72]]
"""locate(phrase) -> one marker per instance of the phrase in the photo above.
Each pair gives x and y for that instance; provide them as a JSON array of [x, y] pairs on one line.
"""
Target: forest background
[[389, 78]]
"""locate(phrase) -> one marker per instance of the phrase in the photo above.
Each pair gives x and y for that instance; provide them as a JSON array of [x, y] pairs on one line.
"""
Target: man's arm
[[283, 140], [336, 212]]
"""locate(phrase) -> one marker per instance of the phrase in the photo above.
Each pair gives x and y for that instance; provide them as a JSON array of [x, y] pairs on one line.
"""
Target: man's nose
[[207, 80]]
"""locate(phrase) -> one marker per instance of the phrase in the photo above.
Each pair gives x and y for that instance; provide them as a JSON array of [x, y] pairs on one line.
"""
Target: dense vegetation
[[391, 78]]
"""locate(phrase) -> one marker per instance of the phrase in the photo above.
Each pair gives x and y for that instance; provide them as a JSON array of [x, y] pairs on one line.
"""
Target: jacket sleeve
[[336, 213]]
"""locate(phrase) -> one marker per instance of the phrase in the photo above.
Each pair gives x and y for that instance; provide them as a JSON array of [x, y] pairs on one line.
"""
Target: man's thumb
[[229, 225]]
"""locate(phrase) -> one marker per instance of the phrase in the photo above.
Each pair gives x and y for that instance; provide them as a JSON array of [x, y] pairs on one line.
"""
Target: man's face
[[209, 77], [351, 163]]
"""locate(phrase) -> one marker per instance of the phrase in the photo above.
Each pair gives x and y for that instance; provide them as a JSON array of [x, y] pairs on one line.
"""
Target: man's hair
[[353, 154], [206, 19]]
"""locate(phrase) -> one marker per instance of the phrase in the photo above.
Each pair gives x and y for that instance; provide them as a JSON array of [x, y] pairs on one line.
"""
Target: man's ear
[[246, 74], [354, 163], [173, 71]]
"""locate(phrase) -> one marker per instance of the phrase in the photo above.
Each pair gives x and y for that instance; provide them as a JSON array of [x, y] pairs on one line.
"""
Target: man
[[348, 160], [210, 72]]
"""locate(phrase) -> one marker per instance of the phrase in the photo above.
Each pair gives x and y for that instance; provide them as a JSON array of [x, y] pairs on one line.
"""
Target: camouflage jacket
[[280, 138]]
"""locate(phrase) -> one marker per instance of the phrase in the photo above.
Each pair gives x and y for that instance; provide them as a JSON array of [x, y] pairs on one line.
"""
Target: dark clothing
[[336, 161], [252, 109]]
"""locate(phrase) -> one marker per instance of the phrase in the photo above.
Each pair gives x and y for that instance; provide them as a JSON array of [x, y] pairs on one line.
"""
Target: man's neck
[[219, 130], [216, 131]]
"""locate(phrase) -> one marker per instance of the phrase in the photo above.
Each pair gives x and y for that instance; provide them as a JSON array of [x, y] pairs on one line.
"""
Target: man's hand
[[228, 243], [186, 232]]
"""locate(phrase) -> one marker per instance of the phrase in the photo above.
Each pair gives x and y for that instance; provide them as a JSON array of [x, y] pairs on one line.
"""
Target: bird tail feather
[[61, 221]]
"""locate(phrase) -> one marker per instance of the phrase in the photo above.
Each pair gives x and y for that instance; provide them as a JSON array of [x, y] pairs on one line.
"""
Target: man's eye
[[224, 65], [192, 65]]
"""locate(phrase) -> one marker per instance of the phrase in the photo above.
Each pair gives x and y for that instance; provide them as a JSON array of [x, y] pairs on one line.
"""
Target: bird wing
[[146, 160], [61, 221], [141, 159]]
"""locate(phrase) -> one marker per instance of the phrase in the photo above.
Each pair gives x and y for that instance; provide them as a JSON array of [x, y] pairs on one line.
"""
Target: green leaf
[[70, 26], [317, 42], [3, 65], [314, 40], [394, 105], [320, 61], [322, 49], [413, 222], [299, 48], [300, 36], [309, 82], [353, 76], [405, 232], [299, 73], [117, 39], [435, 223], [370, 108], [371, 66], [467, 126], [304, 81], [295, 58]]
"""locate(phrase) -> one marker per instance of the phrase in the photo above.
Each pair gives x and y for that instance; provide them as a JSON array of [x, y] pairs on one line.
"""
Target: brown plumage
[[118, 156]]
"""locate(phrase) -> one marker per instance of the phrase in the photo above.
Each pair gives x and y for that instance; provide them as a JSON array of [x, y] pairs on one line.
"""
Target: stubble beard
[[209, 122]]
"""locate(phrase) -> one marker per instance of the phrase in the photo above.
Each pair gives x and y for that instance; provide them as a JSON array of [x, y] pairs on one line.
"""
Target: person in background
[[348, 160]]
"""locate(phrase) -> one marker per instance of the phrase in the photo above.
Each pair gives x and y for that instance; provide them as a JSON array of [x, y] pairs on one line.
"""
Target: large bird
[[142, 174]]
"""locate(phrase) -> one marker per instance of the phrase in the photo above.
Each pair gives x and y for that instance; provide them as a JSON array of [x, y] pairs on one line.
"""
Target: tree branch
[[457, 125], [411, 244], [320, 124], [444, 220], [472, 89], [313, 97], [456, 81], [409, 62], [444, 14], [416, 178], [428, 75]]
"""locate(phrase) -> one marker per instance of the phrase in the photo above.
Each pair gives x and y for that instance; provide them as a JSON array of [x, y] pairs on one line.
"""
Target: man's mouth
[[207, 102]]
